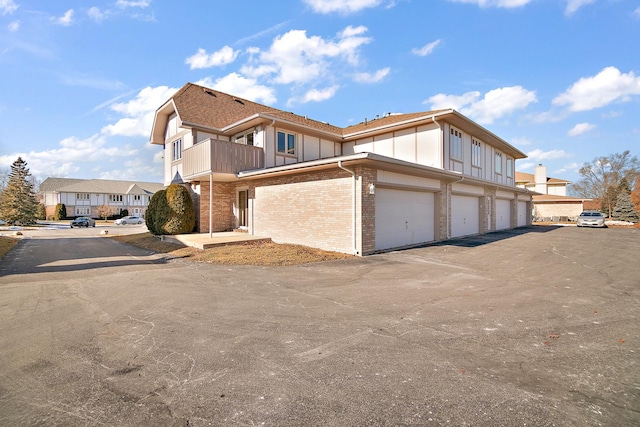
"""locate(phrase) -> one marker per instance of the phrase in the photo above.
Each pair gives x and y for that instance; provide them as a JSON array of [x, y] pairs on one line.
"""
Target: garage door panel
[[522, 214], [503, 214], [403, 218], [465, 215]]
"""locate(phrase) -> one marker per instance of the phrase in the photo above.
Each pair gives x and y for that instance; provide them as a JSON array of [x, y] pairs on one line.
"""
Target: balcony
[[220, 157]]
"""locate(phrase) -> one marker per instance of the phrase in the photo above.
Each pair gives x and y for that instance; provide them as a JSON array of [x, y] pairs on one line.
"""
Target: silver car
[[591, 219], [129, 220]]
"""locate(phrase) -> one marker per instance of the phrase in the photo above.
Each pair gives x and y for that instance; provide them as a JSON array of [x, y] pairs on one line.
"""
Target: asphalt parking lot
[[535, 327]]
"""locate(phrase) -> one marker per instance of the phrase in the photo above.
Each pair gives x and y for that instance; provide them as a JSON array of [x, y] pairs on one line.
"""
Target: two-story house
[[82, 197], [394, 181], [551, 203]]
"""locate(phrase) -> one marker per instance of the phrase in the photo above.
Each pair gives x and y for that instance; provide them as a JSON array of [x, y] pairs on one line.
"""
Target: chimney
[[541, 179]]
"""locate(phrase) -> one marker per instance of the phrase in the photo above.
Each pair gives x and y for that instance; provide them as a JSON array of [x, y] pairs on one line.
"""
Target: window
[[137, 197], [455, 144], [82, 196], [83, 211], [246, 138], [286, 143], [499, 163], [509, 167], [476, 153], [115, 197], [177, 149]]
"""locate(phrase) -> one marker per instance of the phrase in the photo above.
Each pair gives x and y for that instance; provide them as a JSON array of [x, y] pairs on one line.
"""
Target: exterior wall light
[[372, 188]]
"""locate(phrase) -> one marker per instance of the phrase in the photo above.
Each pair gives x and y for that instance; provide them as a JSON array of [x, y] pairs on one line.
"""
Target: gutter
[[353, 212]]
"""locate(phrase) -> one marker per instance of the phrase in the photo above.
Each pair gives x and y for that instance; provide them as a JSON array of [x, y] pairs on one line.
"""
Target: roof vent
[[208, 91], [239, 101]]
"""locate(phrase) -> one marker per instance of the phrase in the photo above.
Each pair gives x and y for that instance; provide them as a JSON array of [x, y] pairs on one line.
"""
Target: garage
[[403, 218], [522, 214], [465, 215], [503, 214]]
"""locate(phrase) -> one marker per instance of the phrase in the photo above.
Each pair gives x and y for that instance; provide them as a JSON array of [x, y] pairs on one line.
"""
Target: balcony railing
[[214, 156]]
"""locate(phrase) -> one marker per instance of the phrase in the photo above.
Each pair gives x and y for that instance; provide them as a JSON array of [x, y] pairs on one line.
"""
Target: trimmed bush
[[171, 211], [60, 212]]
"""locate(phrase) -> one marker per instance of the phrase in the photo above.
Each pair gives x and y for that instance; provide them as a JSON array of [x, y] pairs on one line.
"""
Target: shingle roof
[[529, 178], [100, 186]]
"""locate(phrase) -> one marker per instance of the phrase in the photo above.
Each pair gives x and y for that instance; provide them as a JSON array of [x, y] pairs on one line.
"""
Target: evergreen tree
[[18, 203], [625, 209]]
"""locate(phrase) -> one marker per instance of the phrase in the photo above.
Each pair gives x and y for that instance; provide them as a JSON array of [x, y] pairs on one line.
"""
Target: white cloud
[[539, 155], [65, 20], [495, 104], [97, 15], [571, 167], [13, 26], [139, 112], [316, 95], [607, 86], [68, 158], [123, 4], [296, 58], [519, 142], [581, 128], [243, 87], [202, 59], [426, 49], [574, 5], [341, 6], [507, 4], [7, 7], [372, 77]]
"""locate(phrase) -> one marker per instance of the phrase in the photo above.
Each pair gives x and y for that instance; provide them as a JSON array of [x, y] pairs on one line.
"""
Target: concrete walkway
[[206, 240]]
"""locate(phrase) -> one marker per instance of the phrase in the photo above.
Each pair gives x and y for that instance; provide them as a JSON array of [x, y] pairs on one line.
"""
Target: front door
[[243, 208]]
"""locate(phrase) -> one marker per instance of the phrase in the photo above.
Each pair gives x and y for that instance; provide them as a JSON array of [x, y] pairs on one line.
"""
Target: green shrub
[[171, 211], [124, 212], [60, 212], [42, 211]]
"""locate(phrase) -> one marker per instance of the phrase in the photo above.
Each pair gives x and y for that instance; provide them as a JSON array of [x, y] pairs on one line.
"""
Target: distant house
[[552, 202], [82, 197], [394, 181]]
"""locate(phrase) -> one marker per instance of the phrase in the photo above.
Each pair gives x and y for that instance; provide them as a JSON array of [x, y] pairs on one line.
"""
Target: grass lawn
[[250, 253], [6, 243]]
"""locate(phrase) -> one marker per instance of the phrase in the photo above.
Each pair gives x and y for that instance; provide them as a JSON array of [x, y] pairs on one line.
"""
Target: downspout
[[211, 205], [353, 212]]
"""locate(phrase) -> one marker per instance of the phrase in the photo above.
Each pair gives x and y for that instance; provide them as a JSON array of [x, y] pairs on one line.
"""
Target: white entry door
[[503, 214], [403, 218], [465, 215]]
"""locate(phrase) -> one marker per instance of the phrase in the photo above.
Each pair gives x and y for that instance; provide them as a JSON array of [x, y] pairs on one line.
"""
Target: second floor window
[[115, 197], [499, 163], [246, 139], [137, 197], [509, 167], [476, 153], [82, 196], [286, 143], [455, 144], [177, 149]]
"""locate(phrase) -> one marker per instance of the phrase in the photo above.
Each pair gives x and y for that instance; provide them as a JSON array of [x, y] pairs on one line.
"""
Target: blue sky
[[558, 79]]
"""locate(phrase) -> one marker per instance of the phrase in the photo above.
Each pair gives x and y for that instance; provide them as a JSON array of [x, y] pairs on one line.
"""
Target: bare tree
[[602, 177], [105, 211]]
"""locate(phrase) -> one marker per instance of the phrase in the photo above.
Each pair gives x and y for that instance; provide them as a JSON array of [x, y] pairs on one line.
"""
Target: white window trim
[[176, 147], [287, 151], [498, 163], [456, 151], [243, 138], [476, 160]]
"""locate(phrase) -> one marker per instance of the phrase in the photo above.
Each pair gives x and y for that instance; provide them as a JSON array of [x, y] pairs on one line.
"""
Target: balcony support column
[[210, 206]]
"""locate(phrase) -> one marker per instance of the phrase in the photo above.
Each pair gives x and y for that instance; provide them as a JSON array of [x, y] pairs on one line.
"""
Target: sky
[[80, 80]]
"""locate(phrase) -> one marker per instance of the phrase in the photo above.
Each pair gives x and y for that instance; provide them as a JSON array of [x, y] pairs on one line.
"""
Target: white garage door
[[403, 218], [522, 214], [465, 215], [503, 214]]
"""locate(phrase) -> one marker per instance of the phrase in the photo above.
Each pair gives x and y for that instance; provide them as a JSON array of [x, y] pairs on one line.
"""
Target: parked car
[[83, 221], [591, 219], [129, 220]]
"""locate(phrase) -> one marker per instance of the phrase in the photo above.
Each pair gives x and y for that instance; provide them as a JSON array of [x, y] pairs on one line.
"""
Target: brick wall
[[223, 200], [553, 211], [312, 209]]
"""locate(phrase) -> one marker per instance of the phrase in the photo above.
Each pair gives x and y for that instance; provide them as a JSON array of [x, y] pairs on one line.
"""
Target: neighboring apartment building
[[395, 181], [552, 202], [83, 196]]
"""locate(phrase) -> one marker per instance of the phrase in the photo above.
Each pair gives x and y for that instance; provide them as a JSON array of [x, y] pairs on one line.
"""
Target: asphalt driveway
[[535, 327]]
